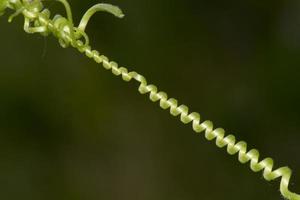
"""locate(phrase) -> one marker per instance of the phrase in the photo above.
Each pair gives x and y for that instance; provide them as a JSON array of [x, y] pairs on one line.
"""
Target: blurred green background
[[72, 130]]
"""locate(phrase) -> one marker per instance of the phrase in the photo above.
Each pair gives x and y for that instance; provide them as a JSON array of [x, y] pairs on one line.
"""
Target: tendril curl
[[37, 20]]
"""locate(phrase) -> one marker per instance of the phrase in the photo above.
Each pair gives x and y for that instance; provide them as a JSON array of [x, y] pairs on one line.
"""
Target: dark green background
[[72, 130]]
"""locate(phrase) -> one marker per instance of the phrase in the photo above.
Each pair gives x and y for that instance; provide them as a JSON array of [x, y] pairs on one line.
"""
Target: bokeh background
[[72, 130]]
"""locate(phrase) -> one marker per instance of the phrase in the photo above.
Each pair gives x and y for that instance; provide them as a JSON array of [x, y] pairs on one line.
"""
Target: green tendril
[[3, 6], [37, 20], [116, 11], [68, 10]]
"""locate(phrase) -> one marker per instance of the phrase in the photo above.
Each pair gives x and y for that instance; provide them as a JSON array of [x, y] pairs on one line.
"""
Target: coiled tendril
[[37, 20]]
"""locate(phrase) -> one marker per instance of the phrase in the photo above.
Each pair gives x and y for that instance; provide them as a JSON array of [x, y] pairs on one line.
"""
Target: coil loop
[[37, 20]]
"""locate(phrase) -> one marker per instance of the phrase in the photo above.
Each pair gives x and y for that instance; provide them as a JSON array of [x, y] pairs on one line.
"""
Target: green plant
[[37, 20]]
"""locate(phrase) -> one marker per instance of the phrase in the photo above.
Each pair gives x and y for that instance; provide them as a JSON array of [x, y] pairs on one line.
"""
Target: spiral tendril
[[37, 20]]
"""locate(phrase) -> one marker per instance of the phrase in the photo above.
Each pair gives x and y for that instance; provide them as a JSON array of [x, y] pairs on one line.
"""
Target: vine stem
[[37, 20]]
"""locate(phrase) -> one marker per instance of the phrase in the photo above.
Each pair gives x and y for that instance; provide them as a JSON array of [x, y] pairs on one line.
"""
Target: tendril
[[116, 11], [68, 10], [3, 6], [37, 20]]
